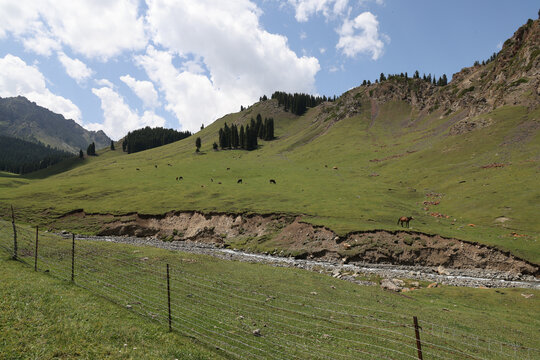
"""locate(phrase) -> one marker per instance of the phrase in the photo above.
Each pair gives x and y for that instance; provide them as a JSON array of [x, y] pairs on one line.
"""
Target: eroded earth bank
[[284, 236]]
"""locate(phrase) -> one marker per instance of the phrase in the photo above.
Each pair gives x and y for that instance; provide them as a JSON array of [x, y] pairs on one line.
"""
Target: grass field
[[219, 303], [386, 168]]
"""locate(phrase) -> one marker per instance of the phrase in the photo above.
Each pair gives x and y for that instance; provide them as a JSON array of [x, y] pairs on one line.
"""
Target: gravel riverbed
[[349, 271]]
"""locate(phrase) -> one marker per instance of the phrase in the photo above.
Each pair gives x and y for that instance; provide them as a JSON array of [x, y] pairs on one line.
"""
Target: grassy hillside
[[389, 160]]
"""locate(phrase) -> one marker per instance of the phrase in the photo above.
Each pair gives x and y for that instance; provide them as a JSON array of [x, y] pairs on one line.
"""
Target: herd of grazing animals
[[403, 221]]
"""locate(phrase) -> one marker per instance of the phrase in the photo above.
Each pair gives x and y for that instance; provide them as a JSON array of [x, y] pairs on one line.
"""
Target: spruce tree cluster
[[484, 62], [21, 157], [230, 137], [441, 81], [91, 149], [148, 138], [298, 103]]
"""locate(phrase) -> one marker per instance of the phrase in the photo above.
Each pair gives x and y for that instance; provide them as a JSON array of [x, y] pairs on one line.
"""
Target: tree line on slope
[[298, 103], [22, 157], [148, 138], [442, 81], [230, 137]]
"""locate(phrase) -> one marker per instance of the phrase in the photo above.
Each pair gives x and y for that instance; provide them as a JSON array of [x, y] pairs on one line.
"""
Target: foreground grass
[[386, 168], [220, 303], [45, 318]]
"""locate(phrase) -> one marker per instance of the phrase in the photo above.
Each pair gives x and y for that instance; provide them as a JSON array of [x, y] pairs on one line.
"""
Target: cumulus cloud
[[143, 89], [75, 68], [100, 29], [18, 78], [328, 8], [242, 59], [361, 35], [119, 118], [104, 82]]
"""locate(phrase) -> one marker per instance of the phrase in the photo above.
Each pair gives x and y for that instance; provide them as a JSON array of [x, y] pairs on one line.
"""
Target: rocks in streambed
[[392, 284]]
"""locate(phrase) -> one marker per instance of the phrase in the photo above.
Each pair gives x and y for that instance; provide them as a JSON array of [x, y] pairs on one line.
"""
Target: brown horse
[[405, 220]]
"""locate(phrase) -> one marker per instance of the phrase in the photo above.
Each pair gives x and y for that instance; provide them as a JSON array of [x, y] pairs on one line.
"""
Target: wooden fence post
[[73, 258], [14, 234], [36, 251], [417, 333], [169, 298]]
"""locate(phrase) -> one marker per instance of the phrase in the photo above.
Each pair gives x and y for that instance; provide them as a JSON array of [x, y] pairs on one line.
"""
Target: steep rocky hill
[[511, 78], [25, 120]]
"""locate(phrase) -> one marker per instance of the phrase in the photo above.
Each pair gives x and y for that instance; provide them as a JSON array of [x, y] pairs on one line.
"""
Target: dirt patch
[[494, 165], [288, 235], [468, 125], [393, 156]]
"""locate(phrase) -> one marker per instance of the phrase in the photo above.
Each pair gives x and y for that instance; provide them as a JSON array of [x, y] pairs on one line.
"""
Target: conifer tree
[[81, 154], [242, 137], [91, 150], [198, 144], [112, 145], [215, 146], [444, 80], [235, 141], [221, 138]]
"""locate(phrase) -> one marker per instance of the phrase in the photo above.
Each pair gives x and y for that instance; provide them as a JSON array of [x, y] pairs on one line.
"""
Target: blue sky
[[122, 64]]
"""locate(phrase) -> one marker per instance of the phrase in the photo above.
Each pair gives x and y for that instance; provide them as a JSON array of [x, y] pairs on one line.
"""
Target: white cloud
[[75, 68], [143, 89], [243, 60], [328, 8], [322, 50], [361, 35], [303, 35], [41, 44], [104, 82], [100, 29], [119, 118], [18, 78]]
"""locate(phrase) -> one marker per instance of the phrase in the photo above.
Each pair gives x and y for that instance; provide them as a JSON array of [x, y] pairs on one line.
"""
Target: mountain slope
[[379, 152], [25, 120]]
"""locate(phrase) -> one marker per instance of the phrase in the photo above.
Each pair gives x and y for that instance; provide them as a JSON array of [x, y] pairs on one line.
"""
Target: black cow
[[239, 181], [272, 181]]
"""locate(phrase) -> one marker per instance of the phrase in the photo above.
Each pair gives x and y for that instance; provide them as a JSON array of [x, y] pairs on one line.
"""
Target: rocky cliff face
[[512, 78]]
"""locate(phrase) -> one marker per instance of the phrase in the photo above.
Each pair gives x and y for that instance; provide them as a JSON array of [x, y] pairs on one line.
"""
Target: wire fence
[[242, 321]]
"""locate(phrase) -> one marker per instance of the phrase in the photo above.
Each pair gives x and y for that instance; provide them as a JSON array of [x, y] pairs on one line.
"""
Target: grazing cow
[[335, 168], [405, 220], [219, 183], [177, 178], [180, 178], [169, 165], [239, 181], [228, 168], [272, 181], [155, 166], [137, 169]]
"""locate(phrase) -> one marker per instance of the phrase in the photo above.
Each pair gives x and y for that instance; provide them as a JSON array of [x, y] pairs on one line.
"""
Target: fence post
[[417, 333], [36, 251], [14, 234], [73, 258], [169, 298]]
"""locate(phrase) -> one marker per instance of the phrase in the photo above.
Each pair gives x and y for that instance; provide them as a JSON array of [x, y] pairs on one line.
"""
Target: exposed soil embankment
[[288, 235]]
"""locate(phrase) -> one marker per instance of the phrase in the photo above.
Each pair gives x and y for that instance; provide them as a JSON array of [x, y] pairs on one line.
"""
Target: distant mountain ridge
[[23, 119]]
